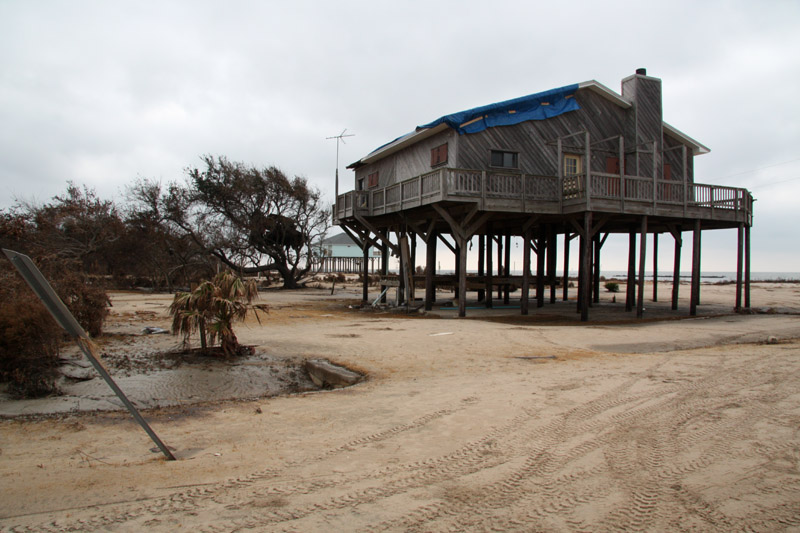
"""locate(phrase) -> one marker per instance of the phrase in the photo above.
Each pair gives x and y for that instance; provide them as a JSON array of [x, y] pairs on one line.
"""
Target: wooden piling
[[540, 251], [430, 271], [630, 293], [695, 296], [739, 265], [655, 267], [642, 262], [489, 267], [676, 267], [526, 271]]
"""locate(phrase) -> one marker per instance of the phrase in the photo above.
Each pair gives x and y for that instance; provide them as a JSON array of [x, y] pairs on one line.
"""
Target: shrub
[[372, 279], [612, 286], [29, 348], [30, 338], [212, 308]]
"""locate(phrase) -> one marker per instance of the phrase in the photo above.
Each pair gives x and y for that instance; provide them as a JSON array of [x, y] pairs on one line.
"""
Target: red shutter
[[439, 155], [373, 179], [667, 171], [612, 165]]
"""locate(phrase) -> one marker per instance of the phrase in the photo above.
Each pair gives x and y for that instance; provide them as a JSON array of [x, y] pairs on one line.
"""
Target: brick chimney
[[644, 124]]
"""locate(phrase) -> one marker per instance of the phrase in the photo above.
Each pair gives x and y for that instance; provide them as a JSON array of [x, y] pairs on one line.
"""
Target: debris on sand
[[327, 375], [153, 330]]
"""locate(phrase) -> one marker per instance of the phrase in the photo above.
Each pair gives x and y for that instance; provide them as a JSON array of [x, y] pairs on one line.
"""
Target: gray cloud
[[103, 92]]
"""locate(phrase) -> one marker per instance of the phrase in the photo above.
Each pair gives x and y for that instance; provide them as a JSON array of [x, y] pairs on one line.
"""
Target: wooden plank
[[541, 247], [596, 269], [676, 268], [526, 271], [489, 266], [384, 269], [481, 263], [500, 270], [642, 262], [407, 268], [430, 272], [695, 292], [747, 266], [655, 267], [551, 261], [462, 277], [739, 265], [365, 276], [507, 270], [565, 276], [451, 247], [629, 293], [585, 266], [377, 232], [455, 227]]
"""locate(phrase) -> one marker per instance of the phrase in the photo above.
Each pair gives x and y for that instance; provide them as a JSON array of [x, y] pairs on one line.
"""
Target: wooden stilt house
[[341, 253], [578, 161]]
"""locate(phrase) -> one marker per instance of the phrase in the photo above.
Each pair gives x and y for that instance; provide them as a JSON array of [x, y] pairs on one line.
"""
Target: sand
[[495, 422]]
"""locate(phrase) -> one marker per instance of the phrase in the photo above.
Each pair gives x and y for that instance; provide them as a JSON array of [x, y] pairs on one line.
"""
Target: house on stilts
[[579, 161], [342, 253]]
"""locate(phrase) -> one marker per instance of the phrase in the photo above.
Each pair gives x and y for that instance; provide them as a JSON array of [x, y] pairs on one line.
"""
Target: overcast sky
[[101, 92]]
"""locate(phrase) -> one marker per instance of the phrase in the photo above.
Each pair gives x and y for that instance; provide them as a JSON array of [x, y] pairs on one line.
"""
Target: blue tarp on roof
[[539, 106]]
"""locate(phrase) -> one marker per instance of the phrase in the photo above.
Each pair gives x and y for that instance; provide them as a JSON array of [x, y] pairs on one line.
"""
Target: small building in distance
[[340, 253]]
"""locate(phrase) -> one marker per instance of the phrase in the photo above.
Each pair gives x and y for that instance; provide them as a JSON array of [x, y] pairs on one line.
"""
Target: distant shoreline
[[705, 277]]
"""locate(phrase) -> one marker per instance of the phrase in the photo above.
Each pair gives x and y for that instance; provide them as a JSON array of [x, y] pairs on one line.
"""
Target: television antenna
[[339, 138]]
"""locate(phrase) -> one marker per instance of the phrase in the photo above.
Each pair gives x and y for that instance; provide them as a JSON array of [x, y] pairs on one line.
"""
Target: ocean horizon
[[705, 277]]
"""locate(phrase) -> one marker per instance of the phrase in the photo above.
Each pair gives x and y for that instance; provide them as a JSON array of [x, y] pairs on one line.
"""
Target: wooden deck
[[525, 193]]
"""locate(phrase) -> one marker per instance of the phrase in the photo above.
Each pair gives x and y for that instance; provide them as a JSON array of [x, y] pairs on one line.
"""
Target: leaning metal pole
[[61, 314]]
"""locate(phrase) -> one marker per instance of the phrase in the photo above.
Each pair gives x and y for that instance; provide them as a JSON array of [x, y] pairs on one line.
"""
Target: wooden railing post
[[685, 178], [711, 199], [588, 169], [560, 178], [484, 178], [685, 197], [622, 171]]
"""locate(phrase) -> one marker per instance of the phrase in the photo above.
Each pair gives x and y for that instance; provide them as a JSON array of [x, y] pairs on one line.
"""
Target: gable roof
[[537, 106], [341, 238]]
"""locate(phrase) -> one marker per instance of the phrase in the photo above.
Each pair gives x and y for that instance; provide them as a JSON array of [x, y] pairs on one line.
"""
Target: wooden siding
[[673, 155], [533, 140], [647, 120], [385, 169], [409, 162]]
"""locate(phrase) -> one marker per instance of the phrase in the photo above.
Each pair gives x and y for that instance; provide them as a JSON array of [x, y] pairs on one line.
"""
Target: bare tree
[[251, 219], [161, 250], [76, 225]]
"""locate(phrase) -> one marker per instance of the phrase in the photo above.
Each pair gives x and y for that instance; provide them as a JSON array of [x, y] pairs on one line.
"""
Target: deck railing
[[612, 189]]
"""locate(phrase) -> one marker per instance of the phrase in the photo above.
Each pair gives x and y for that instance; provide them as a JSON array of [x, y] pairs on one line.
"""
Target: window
[[439, 155], [360, 184], [372, 180], [572, 164], [504, 159]]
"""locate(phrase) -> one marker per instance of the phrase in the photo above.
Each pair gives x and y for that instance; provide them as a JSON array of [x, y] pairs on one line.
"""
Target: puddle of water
[[202, 380]]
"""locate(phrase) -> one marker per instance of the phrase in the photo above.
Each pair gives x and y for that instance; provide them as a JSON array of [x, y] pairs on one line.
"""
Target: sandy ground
[[495, 422]]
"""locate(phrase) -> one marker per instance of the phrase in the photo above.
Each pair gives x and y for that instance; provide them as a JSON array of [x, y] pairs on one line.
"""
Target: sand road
[[462, 425]]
